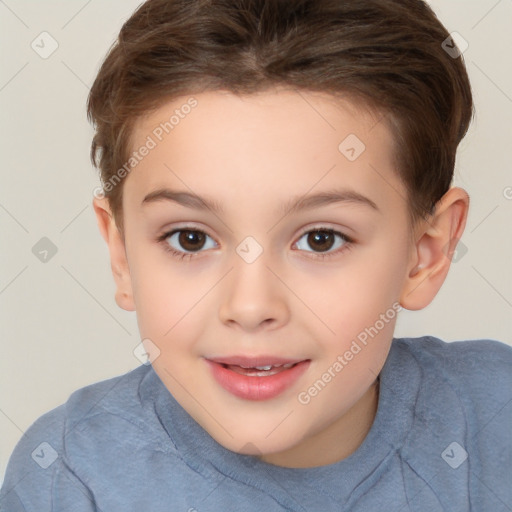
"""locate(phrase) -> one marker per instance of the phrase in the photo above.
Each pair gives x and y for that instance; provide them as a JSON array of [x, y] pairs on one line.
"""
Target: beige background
[[60, 326]]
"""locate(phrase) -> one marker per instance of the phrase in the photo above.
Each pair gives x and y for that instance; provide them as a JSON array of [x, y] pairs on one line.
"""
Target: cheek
[[168, 300], [362, 312], [350, 297], [157, 299]]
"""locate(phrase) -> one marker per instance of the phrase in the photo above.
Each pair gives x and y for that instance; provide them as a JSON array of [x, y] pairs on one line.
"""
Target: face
[[260, 272]]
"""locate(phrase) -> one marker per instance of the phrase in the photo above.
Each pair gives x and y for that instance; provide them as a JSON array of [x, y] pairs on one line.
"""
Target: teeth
[[269, 367]]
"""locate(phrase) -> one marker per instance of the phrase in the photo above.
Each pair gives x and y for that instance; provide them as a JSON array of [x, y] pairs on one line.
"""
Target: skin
[[252, 154]]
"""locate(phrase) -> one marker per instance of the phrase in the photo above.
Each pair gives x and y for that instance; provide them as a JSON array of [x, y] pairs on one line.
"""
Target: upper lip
[[253, 361]]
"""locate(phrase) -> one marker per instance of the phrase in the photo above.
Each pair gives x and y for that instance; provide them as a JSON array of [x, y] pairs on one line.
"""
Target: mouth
[[256, 378], [258, 371]]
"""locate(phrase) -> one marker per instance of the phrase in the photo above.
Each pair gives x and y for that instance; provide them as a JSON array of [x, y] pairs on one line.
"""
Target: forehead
[[278, 143]]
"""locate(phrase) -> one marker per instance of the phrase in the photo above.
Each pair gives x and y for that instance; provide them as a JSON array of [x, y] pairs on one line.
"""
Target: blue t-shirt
[[441, 441]]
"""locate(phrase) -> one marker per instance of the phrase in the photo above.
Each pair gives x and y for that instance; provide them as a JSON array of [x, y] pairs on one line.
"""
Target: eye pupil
[[187, 238], [320, 239]]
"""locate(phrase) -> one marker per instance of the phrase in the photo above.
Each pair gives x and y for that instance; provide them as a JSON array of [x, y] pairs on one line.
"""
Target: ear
[[118, 261], [435, 242]]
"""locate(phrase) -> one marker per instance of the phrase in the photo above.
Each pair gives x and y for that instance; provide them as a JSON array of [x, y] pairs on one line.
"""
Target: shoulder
[[41, 460], [464, 396], [460, 398], [452, 404], [118, 395], [477, 374], [480, 363]]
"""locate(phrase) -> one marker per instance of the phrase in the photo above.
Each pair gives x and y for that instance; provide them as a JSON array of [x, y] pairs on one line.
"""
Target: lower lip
[[257, 388]]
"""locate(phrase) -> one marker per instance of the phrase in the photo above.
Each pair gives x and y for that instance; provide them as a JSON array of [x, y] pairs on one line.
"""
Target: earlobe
[[433, 250], [116, 246]]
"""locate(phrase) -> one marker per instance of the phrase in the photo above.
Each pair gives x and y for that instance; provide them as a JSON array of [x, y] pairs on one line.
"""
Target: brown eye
[[191, 240], [188, 240], [321, 240]]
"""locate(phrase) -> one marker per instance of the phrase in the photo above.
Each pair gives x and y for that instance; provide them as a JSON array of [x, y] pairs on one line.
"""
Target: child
[[307, 147]]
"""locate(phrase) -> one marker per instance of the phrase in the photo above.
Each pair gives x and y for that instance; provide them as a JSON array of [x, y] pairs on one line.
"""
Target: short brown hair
[[387, 53]]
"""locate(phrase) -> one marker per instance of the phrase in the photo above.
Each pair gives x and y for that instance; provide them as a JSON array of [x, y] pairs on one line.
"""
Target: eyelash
[[321, 256]]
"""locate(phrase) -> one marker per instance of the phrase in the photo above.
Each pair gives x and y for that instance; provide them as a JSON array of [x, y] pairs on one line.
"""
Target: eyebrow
[[295, 204]]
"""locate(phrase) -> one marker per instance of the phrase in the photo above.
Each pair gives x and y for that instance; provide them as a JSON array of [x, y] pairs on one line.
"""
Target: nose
[[253, 297]]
